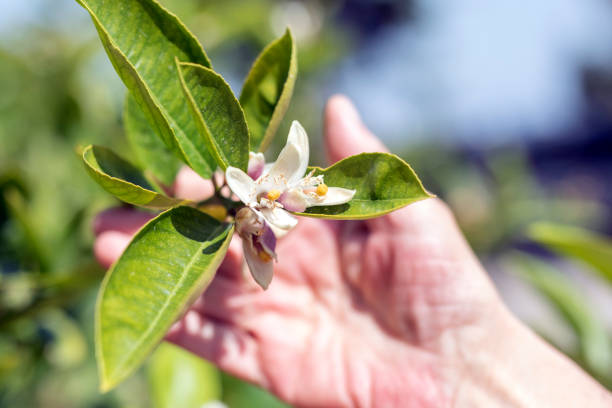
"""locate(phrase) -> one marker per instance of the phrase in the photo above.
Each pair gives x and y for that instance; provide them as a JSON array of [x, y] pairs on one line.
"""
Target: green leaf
[[178, 378], [218, 115], [36, 252], [383, 183], [595, 344], [151, 152], [268, 89], [123, 180], [142, 39], [168, 263], [240, 394], [578, 243]]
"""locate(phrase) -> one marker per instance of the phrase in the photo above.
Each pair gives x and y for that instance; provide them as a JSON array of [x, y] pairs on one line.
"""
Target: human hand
[[394, 311]]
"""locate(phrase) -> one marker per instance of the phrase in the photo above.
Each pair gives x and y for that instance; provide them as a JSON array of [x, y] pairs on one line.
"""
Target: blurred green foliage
[[594, 348], [58, 92]]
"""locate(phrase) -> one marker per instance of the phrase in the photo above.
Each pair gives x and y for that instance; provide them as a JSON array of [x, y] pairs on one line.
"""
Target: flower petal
[[292, 161], [256, 165], [241, 184], [299, 138], [261, 271], [279, 218], [334, 196], [286, 166], [294, 200], [268, 240]]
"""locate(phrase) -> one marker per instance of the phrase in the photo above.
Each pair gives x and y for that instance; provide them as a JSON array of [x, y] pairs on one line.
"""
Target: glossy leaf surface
[[218, 115], [142, 40], [578, 243], [383, 183], [268, 89], [123, 180], [179, 378], [168, 263], [151, 152]]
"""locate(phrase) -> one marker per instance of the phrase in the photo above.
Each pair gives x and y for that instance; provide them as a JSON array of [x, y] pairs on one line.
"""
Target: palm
[[333, 330]]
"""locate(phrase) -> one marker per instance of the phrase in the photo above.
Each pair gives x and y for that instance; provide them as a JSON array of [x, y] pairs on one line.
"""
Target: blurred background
[[503, 108]]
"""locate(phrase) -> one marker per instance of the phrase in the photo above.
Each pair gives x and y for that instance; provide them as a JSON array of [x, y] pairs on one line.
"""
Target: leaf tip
[[82, 150], [105, 386]]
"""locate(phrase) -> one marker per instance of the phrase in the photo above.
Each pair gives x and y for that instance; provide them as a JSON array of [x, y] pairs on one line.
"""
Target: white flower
[[259, 243], [257, 162], [274, 189]]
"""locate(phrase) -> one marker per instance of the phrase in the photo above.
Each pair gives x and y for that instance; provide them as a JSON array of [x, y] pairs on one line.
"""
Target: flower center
[[321, 190], [274, 194], [264, 256]]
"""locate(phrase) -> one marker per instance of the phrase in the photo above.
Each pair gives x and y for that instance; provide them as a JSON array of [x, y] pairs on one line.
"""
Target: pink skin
[[390, 312]]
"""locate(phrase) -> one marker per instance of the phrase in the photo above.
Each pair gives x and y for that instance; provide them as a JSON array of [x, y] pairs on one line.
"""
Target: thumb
[[345, 133]]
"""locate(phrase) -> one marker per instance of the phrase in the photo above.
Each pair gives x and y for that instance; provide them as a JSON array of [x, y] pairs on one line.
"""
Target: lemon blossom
[[274, 189], [259, 243]]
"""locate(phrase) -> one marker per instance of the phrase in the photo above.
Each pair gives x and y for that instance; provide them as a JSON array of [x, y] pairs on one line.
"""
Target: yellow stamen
[[273, 195], [321, 190], [264, 256]]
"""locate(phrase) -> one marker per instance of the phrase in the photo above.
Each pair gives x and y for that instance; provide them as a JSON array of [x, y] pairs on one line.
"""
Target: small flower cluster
[[270, 192]]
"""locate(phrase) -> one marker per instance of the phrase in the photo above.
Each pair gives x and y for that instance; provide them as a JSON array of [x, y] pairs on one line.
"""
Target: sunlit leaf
[[179, 378], [595, 344], [123, 180], [240, 394], [383, 183], [150, 150], [168, 263], [218, 115], [268, 89], [142, 39], [584, 245]]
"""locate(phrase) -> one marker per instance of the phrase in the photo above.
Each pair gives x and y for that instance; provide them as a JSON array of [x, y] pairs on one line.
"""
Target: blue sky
[[481, 70], [475, 70]]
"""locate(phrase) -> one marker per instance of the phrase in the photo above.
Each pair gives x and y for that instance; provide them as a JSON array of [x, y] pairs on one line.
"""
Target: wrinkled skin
[[385, 312]]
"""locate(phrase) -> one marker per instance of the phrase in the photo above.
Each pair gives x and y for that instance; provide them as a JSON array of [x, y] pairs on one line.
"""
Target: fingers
[[232, 265], [114, 229], [109, 246], [345, 133], [120, 219], [231, 348], [189, 185]]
